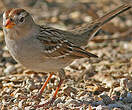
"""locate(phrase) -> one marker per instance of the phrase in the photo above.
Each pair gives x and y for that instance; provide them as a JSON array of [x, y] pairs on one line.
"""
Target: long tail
[[88, 31]]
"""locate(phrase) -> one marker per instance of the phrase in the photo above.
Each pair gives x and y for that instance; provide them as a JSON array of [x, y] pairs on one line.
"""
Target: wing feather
[[56, 46]]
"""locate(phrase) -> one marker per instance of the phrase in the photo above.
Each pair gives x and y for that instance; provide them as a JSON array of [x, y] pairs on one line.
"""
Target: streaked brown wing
[[56, 46]]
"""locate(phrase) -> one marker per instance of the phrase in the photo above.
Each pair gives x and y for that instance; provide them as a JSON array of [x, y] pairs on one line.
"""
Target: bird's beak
[[9, 24]]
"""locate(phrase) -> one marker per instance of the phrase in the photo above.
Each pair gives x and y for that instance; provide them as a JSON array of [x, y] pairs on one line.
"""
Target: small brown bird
[[46, 49]]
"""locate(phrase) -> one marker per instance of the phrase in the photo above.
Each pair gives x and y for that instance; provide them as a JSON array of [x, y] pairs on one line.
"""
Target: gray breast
[[24, 50]]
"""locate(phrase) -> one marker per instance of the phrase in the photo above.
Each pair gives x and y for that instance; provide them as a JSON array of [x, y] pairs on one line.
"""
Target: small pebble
[[15, 108], [70, 91], [20, 104], [106, 99], [58, 100], [9, 69]]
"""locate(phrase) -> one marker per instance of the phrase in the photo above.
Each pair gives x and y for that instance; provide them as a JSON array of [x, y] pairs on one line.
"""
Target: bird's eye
[[21, 19], [11, 19]]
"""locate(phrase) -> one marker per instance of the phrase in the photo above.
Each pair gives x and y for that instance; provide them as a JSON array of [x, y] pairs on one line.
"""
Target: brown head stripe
[[14, 11], [7, 13]]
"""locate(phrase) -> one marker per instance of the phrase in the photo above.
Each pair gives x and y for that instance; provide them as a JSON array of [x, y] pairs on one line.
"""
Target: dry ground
[[93, 84]]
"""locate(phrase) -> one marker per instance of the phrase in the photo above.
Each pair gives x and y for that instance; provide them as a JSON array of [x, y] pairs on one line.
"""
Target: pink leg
[[53, 98], [43, 87], [41, 90]]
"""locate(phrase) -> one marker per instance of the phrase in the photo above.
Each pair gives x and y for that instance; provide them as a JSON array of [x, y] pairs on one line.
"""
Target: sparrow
[[46, 49]]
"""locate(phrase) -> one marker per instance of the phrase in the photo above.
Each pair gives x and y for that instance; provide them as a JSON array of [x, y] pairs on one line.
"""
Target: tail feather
[[89, 30]]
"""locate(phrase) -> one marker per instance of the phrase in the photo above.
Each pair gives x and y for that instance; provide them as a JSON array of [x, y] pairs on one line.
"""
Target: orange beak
[[9, 24]]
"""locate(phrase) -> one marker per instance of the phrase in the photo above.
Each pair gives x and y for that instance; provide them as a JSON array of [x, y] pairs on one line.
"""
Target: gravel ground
[[104, 83]]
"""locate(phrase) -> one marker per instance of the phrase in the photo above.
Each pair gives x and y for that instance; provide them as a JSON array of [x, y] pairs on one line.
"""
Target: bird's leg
[[43, 87], [41, 90], [50, 102], [45, 84]]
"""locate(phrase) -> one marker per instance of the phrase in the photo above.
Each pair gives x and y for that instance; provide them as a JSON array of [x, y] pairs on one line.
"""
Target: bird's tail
[[90, 30]]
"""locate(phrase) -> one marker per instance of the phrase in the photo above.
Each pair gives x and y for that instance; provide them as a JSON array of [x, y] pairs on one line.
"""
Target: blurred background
[[88, 81]]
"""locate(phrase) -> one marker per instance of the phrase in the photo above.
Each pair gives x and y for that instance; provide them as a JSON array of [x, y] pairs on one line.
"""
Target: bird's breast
[[29, 53], [24, 51]]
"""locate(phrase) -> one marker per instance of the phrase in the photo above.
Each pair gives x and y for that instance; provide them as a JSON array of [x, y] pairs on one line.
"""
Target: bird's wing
[[55, 45]]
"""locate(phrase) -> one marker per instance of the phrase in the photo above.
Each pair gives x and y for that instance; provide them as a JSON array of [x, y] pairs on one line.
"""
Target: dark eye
[[11, 19], [21, 19]]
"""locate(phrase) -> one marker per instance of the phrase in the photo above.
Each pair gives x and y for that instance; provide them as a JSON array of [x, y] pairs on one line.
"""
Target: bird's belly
[[38, 63], [47, 65], [32, 57]]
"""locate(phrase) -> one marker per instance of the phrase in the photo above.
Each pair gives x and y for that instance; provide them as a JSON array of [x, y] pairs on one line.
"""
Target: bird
[[42, 48]]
